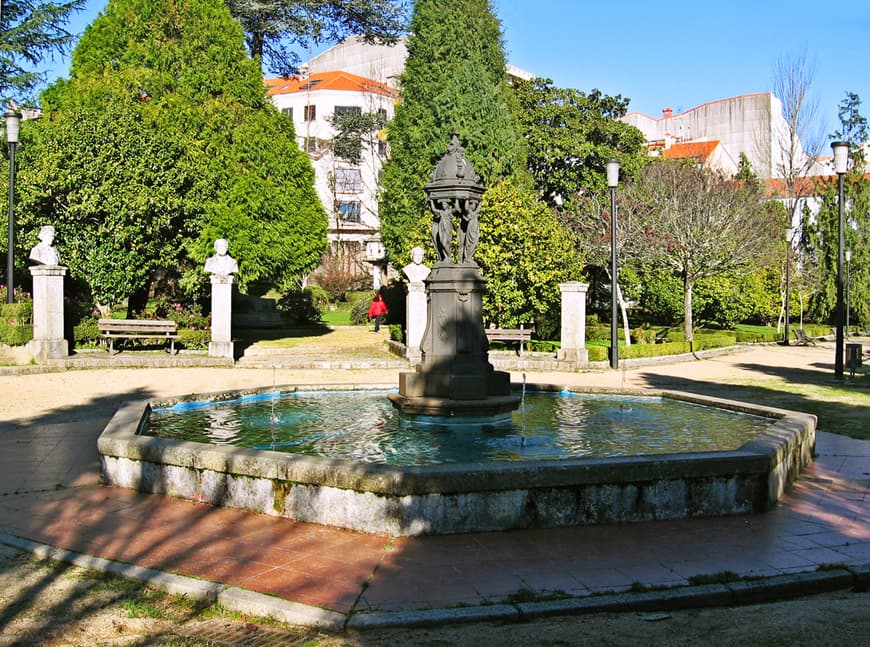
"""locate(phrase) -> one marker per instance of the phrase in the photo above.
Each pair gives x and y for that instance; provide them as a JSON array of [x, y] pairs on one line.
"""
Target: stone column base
[[220, 349], [41, 349], [576, 355]]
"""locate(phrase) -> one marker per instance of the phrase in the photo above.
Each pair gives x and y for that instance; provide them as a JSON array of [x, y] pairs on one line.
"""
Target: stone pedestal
[[415, 309], [221, 344], [455, 377], [574, 322], [48, 341]]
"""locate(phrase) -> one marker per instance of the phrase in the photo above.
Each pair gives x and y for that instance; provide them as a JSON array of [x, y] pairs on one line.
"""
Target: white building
[[347, 189], [751, 124], [352, 75]]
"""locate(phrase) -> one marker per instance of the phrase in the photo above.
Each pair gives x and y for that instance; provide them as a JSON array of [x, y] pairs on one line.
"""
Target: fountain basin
[[470, 497]]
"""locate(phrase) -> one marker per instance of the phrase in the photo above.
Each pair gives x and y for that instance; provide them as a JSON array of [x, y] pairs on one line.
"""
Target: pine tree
[[454, 81]]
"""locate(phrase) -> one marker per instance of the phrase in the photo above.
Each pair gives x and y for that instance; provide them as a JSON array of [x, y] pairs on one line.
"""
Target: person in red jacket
[[377, 310]]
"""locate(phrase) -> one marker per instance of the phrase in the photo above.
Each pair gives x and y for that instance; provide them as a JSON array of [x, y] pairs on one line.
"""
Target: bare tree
[[798, 142], [698, 223]]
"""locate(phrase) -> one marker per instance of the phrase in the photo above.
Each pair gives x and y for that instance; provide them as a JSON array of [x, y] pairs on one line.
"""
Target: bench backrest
[[137, 325]]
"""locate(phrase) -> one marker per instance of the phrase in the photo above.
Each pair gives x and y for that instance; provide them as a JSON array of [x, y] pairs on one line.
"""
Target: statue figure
[[455, 190], [45, 253], [415, 270], [469, 231], [221, 263], [442, 227]]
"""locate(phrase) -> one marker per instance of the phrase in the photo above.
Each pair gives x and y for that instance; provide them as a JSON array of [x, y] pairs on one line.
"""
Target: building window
[[382, 113], [348, 180], [288, 112], [310, 144], [309, 113], [343, 110], [382, 148], [348, 210]]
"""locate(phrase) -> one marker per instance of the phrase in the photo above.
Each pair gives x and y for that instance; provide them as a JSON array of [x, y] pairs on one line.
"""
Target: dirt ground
[[52, 604]]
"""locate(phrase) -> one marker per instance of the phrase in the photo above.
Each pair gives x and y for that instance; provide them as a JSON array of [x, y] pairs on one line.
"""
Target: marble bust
[[45, 253], [415, 270], [221, 263]]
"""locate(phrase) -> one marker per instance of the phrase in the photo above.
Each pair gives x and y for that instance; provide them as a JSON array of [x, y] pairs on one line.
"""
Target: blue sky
[[681, 53]]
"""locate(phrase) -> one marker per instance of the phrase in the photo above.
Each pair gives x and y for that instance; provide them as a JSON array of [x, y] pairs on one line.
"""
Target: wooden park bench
[[801, 337], [112, 329], [521, 334]]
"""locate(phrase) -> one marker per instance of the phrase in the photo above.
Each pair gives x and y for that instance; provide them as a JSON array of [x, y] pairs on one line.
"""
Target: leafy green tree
[[745, 172], [355, 130], [30, 31], [163, 140], [820, 231], [274, 27], [454, 81], [853, 127], [527, 254], [699, 224], [570, 136]]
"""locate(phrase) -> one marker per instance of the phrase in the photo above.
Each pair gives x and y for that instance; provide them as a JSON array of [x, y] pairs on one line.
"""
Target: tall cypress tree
[[163, 140], [454, 81]]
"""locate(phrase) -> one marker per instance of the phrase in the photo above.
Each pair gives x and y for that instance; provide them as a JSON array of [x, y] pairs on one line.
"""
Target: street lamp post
[[848, 286], [841, 159], [612, 182], [788, 236], [13, 121]]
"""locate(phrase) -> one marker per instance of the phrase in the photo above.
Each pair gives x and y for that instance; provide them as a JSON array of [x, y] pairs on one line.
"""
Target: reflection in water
[[364, 426]]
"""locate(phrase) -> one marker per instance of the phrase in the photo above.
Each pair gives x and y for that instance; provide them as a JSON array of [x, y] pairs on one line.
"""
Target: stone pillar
[[574, 322], [48, 341], [221, 344], [416, 314]]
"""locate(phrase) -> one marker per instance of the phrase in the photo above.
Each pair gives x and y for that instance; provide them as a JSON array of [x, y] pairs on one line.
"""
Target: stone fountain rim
[[121, 439]]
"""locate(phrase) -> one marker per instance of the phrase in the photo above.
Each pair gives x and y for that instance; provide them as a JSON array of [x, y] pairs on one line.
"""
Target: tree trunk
[[687, 307], [624, 310]]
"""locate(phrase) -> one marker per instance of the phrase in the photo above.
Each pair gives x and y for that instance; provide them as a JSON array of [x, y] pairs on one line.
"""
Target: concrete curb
[[780, 587]]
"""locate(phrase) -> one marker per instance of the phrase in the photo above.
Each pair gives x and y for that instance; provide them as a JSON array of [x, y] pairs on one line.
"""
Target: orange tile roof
[[804, 185], [343, 81], [691, 150]]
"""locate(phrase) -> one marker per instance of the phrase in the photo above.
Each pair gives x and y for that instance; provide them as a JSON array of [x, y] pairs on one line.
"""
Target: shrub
[[300, 307], [396, 333], [541, 346], [16, 335], [194, 339], [359, 311], [597, 353], [644, 335], [15, 328], [86, 332], [755, 336]]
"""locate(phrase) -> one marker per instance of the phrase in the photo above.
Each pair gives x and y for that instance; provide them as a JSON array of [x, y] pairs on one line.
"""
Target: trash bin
[[854, 354]]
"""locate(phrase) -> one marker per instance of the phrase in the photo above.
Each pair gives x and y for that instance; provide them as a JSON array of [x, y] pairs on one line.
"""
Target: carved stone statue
[[221, 263], [45, 253], [415, 270]]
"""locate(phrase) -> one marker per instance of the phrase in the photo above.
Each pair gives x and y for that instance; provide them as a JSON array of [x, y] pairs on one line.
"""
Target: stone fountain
[[455, 377]]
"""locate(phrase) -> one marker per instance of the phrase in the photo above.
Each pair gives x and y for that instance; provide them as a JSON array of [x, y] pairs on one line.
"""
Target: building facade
[[347, 186], [751, 124]]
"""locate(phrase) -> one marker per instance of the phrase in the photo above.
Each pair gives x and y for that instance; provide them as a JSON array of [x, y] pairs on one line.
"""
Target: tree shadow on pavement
[[800, 390], [50, 494]]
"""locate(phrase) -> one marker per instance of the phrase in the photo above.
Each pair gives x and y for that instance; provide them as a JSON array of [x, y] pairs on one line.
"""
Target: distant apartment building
[[719, 131], [346, 187]]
